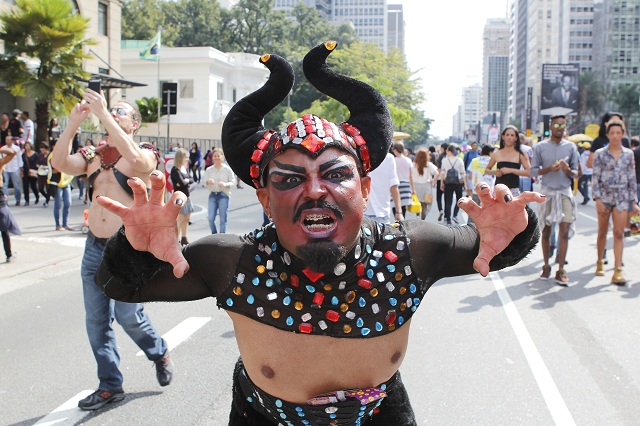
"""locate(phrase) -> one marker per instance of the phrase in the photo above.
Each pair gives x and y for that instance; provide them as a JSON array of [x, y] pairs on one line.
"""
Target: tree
[[148, 109], [141, 18], [254, 27], [591, 99], [626, 97], [43, 53]]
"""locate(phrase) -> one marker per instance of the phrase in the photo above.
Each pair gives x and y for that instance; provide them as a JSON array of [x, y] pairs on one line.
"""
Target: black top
[[15, 127], [373, 291], [180, 180], [636, 155], [29, 162], [510, 179]]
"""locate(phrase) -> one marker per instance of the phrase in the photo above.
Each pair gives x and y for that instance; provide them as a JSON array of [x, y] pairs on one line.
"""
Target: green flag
[[152, 51]]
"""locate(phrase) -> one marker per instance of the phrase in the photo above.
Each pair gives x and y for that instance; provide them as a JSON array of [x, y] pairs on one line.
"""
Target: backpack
[[452, 177]]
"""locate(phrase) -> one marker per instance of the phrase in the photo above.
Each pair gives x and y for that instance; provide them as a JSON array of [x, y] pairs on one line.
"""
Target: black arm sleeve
[[441, 251], [129, 275]]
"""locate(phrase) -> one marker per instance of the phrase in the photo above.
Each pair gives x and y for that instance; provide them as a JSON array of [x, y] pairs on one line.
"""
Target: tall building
[[495, 70], [395, 27], [617, 51], [373, 20], [581, 34], [518, 60], [471, 111]]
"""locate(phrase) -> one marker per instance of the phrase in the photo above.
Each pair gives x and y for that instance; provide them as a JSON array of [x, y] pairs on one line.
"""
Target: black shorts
[[395, 409]]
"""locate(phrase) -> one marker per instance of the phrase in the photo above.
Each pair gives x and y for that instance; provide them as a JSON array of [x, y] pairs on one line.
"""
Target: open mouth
[[318, 222]]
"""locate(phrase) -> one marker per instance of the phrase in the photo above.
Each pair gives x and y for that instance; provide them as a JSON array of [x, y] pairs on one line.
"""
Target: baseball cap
[[17, 111]]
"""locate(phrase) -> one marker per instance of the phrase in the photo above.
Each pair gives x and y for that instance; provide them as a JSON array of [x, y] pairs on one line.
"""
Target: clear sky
[[443, 39]]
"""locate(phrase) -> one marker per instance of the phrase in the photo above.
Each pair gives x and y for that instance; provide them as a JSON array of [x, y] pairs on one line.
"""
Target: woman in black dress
[[510, 161]]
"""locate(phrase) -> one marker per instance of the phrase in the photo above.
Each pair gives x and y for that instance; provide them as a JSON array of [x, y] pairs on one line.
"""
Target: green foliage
[[43, 53], [591, 101], [626, 97], [253, 26], [148, 109]]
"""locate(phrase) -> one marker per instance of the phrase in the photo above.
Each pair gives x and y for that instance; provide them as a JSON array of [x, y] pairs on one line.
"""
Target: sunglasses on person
[[119, 111], [559, 126]]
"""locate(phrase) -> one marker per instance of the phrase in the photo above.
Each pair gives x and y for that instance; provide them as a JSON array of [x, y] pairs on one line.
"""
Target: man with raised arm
[[322, 298], [109, 167]]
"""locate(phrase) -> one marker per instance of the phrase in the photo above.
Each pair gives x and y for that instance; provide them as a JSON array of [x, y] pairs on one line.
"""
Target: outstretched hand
[[500, 218], [150, 223]]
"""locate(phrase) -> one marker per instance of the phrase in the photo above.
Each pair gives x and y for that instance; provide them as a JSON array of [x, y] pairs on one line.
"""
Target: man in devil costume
[[329, 292]]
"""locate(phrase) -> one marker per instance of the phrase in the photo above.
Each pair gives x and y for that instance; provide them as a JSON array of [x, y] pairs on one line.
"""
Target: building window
[[219, 88], [186, 89], [234, 93], [102, 19]]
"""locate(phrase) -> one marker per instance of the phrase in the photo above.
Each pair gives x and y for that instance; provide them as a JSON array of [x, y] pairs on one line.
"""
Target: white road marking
[[548, 388], [587, 216], [182, 331], [69, 413]]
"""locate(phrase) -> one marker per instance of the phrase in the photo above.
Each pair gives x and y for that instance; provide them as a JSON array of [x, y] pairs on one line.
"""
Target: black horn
[[242, 128], [367, 107]]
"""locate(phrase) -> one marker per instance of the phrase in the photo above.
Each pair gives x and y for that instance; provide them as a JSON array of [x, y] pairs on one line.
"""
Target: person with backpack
[[452, 181]]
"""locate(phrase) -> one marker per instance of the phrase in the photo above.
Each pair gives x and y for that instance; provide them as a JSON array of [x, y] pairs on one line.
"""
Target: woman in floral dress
[[614, 189]]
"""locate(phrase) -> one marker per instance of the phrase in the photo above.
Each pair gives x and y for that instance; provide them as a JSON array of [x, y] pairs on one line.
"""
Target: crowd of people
[[334, 261]]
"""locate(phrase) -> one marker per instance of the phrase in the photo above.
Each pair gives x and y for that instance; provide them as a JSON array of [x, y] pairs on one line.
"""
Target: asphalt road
[[506, 349]]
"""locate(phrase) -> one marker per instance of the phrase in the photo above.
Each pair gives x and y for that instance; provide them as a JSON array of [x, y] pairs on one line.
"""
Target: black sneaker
[[440, 217], [164, 370], [100, 398]]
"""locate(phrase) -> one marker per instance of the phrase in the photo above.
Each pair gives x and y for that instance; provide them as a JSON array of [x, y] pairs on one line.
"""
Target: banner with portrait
[[560, 89]]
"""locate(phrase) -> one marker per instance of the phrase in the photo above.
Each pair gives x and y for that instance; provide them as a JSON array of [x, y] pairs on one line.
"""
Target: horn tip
[[264, 58], [330, 45]]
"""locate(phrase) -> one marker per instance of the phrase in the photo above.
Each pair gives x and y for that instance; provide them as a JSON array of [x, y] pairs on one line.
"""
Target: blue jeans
[[62, 195], [17, 184], [100, 311], [218, 202]]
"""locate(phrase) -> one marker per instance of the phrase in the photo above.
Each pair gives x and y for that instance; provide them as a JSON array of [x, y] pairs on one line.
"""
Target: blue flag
[[152, 51]]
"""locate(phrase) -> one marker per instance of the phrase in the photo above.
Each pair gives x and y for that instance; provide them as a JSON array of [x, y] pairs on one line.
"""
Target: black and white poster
[[560, 89]]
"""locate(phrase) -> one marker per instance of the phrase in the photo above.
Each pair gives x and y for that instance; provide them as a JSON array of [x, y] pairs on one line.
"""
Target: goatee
[[321, 256]]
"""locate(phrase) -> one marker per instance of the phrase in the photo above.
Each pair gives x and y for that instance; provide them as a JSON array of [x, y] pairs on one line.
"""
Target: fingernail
[[460, 200], [484, 186], [98, 196], [508, 198], [133, 179], [155, 173], [543, 196], [179, 201]]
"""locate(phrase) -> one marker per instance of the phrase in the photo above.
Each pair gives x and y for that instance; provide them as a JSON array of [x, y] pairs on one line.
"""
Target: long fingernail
[[460, 200], [155, 173], [484, 186], [133, 179], [543, 196], [179, 201], [508, 198]]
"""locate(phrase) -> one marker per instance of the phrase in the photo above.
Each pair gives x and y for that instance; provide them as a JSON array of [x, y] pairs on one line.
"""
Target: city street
[[506, 349]]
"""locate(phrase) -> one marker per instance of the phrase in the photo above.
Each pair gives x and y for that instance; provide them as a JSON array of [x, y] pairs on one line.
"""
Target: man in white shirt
[[384, 179], [29, 128], [12, 169]]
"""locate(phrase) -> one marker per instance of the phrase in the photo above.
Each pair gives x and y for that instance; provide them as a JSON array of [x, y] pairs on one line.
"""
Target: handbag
[[415, 206], [33, 173], [428, 198], [42, 171]]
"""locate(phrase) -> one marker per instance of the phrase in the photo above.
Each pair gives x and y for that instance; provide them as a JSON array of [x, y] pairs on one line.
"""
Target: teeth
[[318, 226], [317, 217]]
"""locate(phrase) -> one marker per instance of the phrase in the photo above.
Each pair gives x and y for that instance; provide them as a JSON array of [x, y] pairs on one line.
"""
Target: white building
[[209, 83]]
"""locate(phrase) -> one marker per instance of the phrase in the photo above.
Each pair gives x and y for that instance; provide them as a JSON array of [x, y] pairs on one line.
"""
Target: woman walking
[[423, 175], [403, 167], [8, 224], [508, 159], [182, 182], [219, 178], [615, 191], [43, 171], [30, 172], [452, 178], [195, 161]]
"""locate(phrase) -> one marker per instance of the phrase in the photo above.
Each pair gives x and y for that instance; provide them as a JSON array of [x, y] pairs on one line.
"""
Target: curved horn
[[242, 128], [368, 108]]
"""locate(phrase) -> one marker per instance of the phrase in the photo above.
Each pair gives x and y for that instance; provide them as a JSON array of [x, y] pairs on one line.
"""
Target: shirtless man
[[108, 168], [321, 299]]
